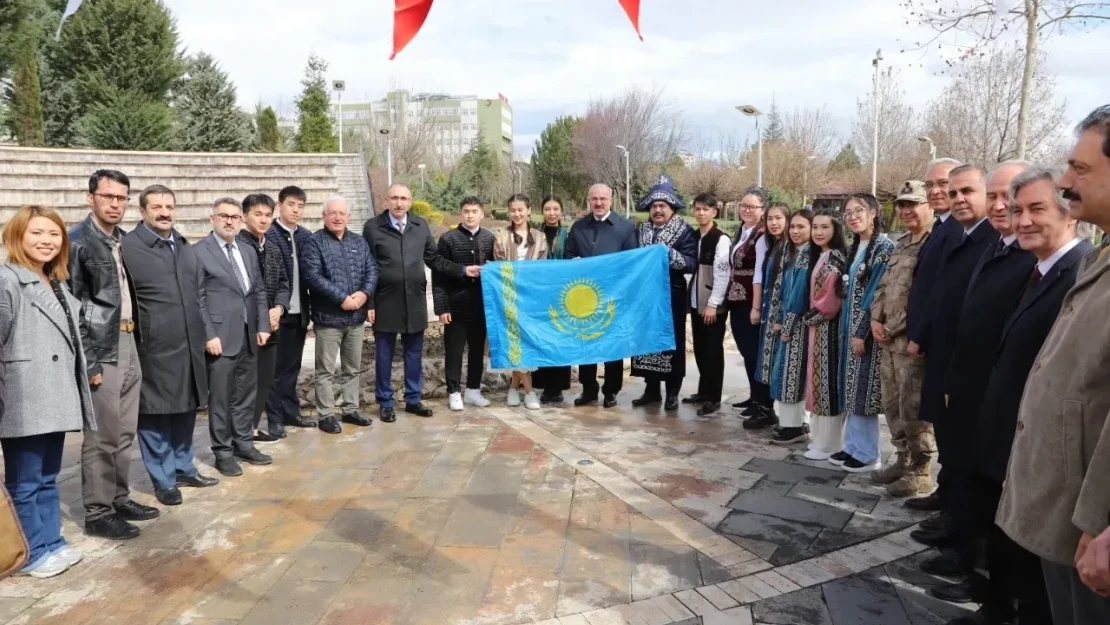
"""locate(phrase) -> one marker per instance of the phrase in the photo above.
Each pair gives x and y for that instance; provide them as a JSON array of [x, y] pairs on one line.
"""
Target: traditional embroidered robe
[[823, 344], [682, 250], [788, 378], [773, 268], [859, 375]]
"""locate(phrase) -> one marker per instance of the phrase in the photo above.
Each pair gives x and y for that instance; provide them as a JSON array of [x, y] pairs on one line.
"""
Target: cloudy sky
[[549, 57]]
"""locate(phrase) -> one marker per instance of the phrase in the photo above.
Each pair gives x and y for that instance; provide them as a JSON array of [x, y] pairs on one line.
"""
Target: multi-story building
[[452, 124]]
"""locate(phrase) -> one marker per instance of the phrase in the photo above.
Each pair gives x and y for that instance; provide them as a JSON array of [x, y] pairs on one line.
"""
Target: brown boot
[[918, 479], [893, 471]]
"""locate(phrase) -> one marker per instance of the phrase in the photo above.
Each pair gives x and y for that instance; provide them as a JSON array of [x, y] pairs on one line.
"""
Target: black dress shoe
[[948, 563], [135, 511], [933, 538], [228, 467], [708, 408], [586, 400], [752, 410], [609, 401], [278, 431], [196, 481], [551, 398], [928, 503], [300, 422], [112, 527], [264, 437], [937, 522], [330, 425], [743, 404], [170, 496], [692, 399], [356, 419], [645, 400], [253, 456], [960, 592], [985, 616], [386, 415], [418, 409], [671, 403], [761, 421]]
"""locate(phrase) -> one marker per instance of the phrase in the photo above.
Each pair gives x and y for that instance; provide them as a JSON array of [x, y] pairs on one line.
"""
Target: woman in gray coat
[[45, 391]]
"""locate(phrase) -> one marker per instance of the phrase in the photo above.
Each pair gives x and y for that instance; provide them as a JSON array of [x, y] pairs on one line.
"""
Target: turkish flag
[[632, 8]]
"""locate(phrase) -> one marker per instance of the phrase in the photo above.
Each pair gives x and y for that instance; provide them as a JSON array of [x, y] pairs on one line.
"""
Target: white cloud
[[551, 56]]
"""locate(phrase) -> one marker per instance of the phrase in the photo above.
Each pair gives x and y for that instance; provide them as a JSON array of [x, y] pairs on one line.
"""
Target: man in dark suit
[[600, 232], [996, 285], [959, 258], [236, 323], [1045, 229]]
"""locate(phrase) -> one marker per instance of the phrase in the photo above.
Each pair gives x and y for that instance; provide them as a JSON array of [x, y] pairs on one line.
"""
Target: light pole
[[751, 111], [805, 177], [339, 86], [388, 156], [627, 183], [421, 168], [932, 147], [875, 137]]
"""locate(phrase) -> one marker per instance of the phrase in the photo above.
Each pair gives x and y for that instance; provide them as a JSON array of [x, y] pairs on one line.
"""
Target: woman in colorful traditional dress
[[859, 352], [553, 380], [788, 382], [826, 294], [760, 406], [520, 241]]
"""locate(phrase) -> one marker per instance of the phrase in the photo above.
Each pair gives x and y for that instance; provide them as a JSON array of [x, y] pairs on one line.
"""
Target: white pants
[[791, 415], [827, 434]]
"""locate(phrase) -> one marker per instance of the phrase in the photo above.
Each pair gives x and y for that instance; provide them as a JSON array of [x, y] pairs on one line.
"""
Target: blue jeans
[[31, 466], [166, 442], [861, 438], [412, 350]]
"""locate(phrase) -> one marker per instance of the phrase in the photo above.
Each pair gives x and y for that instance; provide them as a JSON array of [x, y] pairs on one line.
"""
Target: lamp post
[[805, 177], [421, 168], [751, 111], [875, 126], [627, 183], [932, 147], [339, 86], [388, 156]]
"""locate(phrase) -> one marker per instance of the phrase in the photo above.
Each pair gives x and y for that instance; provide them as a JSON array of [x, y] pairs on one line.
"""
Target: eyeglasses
[[226, 217], [750, 207], [940, 184], [857, 212], [122, 199]]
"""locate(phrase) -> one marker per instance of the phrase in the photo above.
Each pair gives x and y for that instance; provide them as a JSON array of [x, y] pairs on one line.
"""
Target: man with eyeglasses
[[232, 300], [98, 277]]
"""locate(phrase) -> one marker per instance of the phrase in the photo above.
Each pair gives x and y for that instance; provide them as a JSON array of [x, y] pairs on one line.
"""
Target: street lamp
[[805, 177], [875, 129], [932, 147], [421, 168], [627, 183], [339, 86], [388, 156], [751, 111]]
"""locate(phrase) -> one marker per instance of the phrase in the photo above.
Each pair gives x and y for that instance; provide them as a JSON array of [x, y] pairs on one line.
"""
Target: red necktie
[[1034, 279]]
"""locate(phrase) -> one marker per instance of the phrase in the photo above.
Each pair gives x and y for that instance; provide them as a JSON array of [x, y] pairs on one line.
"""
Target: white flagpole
[[71, 8]]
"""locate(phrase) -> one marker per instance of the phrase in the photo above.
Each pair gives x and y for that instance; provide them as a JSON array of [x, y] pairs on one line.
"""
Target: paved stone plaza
[[563, 516]]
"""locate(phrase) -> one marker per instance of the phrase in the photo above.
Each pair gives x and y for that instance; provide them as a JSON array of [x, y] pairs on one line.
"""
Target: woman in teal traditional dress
[[775, 220], [553, 380], [788, 380], [860, 353]]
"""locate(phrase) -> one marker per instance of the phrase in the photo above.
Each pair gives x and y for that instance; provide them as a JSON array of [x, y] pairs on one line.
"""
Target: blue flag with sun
[[551, 313]]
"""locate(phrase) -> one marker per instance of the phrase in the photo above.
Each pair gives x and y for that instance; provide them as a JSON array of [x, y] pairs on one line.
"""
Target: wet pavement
[[498, 516]]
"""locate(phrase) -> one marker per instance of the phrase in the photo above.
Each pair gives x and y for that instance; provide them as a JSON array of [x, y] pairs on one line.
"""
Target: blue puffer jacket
[[335, 268]]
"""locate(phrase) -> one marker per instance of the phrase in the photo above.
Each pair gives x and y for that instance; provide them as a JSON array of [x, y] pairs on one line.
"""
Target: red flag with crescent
[[409, 16]]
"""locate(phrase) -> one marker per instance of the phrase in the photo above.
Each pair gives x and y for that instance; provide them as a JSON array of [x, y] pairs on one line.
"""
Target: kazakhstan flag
[[551, 313]]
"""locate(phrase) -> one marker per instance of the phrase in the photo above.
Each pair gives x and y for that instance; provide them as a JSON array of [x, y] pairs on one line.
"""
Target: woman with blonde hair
[[520, 241], [45, 388]]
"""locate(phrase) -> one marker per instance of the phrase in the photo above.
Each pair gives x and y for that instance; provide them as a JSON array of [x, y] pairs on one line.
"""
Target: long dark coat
[[925, 274], [400, 302], [171, 332], [1022, 336]]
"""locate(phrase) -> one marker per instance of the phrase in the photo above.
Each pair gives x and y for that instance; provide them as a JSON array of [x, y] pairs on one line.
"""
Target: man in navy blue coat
[[600, 232]]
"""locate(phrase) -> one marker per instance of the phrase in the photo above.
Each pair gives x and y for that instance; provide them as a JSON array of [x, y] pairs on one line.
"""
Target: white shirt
[[721, 273], [295, 296], [968, 231], [1008, 240], [1046, 265], [760, 252], [943, 217], [603, 218], [237, 258]]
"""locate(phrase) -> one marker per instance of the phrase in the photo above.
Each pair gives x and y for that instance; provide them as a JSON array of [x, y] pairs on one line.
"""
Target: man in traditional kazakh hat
[[666, 227]]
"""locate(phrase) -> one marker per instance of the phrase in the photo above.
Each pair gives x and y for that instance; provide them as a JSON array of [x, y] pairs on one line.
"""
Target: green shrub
[[499, 214], [434, 217], [421, 208]]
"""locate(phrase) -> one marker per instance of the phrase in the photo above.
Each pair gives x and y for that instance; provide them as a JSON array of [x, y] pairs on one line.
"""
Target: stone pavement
[[563, 516]]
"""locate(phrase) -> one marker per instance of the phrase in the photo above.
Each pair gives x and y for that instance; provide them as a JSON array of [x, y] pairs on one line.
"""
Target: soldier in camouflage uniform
[[901, 373]]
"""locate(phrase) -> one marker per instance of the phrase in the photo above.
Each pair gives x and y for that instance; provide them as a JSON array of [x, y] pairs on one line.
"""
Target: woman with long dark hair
[[553, 380], [760, 403], [860, 353]]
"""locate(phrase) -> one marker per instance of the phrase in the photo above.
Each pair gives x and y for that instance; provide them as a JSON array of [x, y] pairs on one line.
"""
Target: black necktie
[[1001, 249]]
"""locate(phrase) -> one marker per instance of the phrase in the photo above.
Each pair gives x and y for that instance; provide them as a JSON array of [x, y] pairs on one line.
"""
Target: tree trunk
[[1032, 9]]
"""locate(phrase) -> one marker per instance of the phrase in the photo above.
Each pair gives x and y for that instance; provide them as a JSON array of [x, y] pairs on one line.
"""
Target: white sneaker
[[531, 402], [50, 566], [473, 396], [814, 454], [69, 556], [514, 397], [455, 402]]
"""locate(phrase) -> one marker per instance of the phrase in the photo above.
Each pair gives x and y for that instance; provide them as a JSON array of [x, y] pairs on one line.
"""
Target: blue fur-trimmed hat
[[663, 191]]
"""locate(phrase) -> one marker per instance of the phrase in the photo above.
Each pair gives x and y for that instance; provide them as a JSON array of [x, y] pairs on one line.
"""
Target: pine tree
[[846, 160], [268, 132], [315, 133], [127, 120], [209, 120], [774, 132], [554, 169], [24, 96], [480, 170]]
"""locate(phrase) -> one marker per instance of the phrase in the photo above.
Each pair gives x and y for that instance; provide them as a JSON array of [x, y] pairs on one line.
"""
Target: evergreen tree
[[127, 120], [269, 134], [480, 170], [554, 169], [209, 120], [773, 131], [846, 160], [314, 123], [24, 115]]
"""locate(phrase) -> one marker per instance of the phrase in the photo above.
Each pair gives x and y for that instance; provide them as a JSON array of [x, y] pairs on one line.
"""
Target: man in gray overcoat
[[403, 245], [171, 341]]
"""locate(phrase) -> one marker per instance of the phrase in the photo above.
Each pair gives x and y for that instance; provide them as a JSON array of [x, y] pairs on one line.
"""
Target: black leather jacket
[[93, 279]]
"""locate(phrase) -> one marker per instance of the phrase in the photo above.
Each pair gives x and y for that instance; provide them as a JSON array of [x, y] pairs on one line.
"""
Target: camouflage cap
[[912, 191]]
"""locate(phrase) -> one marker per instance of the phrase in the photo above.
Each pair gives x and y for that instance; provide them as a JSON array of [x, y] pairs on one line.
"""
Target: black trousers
[[709, 354], [232, 388], [614, 378], [283, 403], [746, 335], [267, 366], [459, 334], [552, 379], [1017, 581]]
